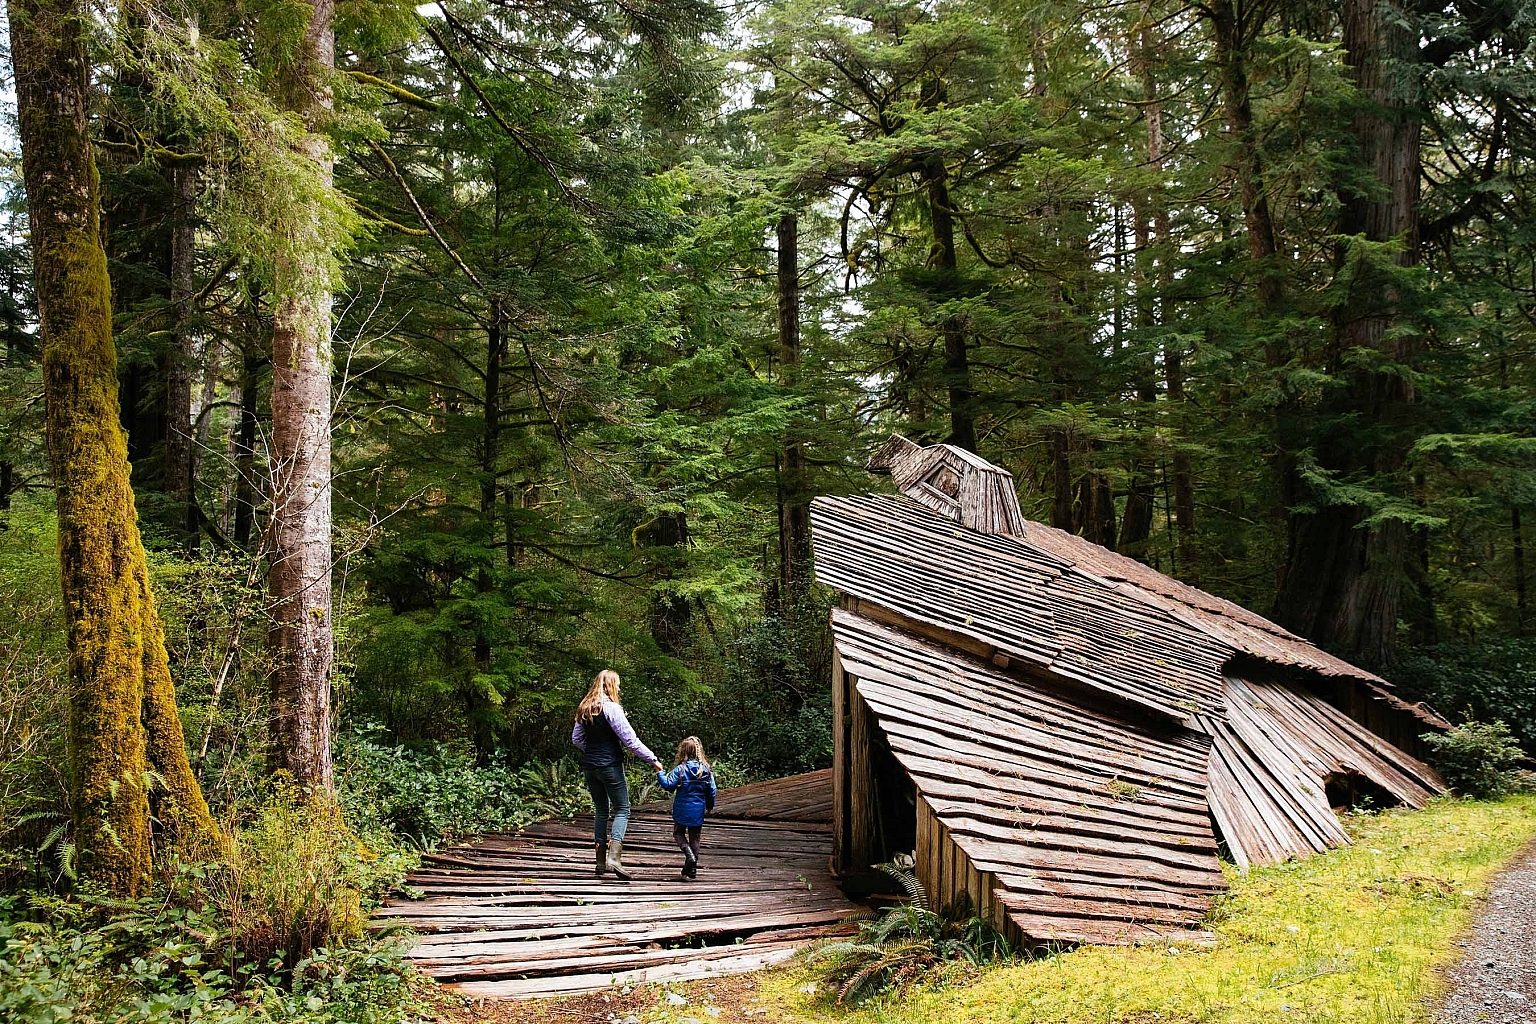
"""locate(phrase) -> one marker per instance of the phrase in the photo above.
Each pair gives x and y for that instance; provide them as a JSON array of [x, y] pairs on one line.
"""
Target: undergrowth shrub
[[276, 933], [154, 961], [1479, 759], [759, 699], [433, 792], [300, 879], [34, 789], [1490, 681], [909, 943]]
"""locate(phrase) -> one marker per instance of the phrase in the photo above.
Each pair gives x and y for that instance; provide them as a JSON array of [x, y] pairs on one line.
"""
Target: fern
[[907, 943], [910, 884]]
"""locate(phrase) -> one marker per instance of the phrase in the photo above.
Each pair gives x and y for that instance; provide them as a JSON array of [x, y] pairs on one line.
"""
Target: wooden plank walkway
[[517, 916]]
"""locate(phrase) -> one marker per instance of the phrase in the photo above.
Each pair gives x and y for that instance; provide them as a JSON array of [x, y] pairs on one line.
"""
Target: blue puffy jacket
[[694, 785]]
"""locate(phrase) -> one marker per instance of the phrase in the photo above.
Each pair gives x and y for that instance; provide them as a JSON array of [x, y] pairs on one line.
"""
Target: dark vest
[[603, 748]]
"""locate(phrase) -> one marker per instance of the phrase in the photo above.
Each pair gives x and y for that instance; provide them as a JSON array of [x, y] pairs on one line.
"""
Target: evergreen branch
[[518, 137], [399, 92], [161, 155], [379, 218], [213, 282], [425, 220]]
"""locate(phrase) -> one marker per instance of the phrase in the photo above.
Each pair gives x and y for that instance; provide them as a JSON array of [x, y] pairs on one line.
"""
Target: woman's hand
[[658, 766]]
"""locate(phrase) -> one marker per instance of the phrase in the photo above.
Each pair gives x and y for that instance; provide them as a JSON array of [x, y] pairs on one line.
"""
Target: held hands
[[658, 766]]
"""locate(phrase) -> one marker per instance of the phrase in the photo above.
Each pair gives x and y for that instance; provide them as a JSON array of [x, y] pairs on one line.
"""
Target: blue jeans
[[609, 789]]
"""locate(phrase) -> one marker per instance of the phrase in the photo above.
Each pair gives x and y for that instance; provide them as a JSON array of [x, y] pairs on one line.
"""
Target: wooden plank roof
[[1270, 762], [1231, 624], [1027, 603], [1058, 603], [1095, 828], [954, 483], [990, 506]]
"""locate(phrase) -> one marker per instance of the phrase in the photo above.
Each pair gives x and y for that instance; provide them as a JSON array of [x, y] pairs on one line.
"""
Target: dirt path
[[1495, 982]]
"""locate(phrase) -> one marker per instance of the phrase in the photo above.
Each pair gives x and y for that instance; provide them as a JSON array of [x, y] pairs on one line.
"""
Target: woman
[[602, 733]]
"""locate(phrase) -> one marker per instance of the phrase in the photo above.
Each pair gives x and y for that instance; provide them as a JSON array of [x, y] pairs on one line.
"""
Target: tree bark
[[1150, 225], [957, 367], [1518, 536], [1183, 477], [178, 361], [1232, 38], [300, 576], [794, 496], [1061, 481], [671, 615], [481, 711], [244, 449], [963, 406], [1342, 584], [1095, 519], [122, 715]]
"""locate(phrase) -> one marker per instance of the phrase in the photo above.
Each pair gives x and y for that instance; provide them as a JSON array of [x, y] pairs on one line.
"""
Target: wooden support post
[[841, 818], [862, 842]]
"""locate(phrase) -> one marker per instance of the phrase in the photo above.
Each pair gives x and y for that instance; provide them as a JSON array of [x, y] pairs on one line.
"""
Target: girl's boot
[[615, 862], [602, 859]]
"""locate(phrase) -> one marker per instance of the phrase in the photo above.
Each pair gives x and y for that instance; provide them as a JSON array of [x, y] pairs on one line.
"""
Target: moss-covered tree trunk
[[122, 717], [300, 576]]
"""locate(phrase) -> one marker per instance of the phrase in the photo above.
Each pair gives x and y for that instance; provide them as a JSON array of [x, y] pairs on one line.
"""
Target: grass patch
[[1354, 936]]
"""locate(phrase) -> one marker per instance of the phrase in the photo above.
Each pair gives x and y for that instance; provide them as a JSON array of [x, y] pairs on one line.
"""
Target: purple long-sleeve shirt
[[618, 723]]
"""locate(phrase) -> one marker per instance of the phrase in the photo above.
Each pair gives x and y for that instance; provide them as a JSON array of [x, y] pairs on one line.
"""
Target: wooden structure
[[515, 916], [1063, 737]]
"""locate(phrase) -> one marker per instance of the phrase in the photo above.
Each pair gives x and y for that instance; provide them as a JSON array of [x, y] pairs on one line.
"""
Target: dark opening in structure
[[1347, 791], [895, 801]]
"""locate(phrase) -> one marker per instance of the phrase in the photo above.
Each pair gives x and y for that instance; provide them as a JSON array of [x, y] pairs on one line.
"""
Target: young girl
[[694, 784]]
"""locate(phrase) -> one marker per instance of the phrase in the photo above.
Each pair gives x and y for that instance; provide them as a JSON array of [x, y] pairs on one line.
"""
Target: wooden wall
[[855, 828], [945, 871], [950, 877]]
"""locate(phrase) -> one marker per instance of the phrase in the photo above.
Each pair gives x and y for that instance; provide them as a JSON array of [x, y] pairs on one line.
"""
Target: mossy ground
[[1355, 936]]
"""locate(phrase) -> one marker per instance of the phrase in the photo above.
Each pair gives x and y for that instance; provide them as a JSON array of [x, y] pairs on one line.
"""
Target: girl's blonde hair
[[604, 687], [692, 749]]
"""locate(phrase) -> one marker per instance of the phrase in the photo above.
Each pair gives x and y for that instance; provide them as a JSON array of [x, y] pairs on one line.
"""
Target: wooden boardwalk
[[515, 916]]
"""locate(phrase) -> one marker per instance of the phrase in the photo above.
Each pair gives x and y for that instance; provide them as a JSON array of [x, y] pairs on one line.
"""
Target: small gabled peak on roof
[[954, 483]]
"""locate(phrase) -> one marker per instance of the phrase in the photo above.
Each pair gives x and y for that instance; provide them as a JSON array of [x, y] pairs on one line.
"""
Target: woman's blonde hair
[[604, 687], [691, 749]]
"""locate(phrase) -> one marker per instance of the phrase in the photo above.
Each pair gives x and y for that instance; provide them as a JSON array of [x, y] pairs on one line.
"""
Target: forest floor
[[1362, 935]]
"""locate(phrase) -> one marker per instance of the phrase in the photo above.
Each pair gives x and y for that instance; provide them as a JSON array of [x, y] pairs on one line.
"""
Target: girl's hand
[[658, 766]]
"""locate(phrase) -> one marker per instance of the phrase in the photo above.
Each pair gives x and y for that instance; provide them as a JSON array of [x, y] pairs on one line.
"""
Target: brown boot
[[602, 859], [615, 861]]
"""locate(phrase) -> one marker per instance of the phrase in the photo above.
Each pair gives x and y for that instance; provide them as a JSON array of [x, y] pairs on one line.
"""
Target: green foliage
[[1494, 680], [1479, 759], [271, 202], [33, 780], [154, 961], [1358, 934], [907, 944], [432, 793], [299, 880]]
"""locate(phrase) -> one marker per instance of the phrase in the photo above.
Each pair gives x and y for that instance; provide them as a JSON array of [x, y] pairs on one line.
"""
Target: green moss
[[1356, 935], [114, 633]]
